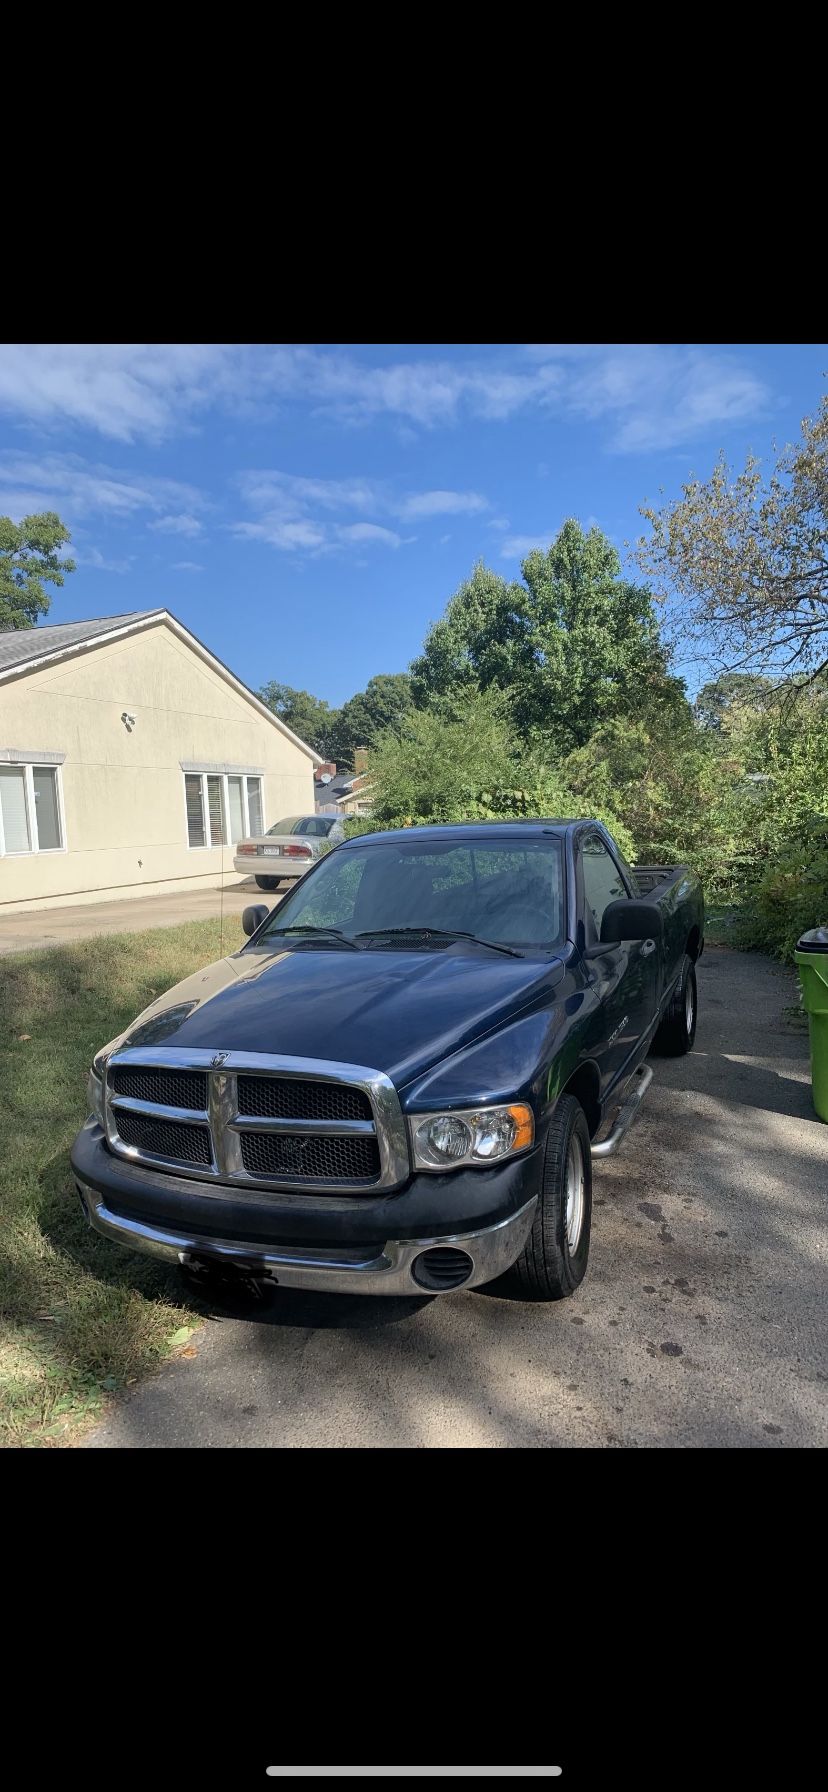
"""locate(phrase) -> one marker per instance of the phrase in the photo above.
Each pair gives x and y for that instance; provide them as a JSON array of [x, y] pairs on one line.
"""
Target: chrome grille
[[250, 1118], [169, 1088], [165, 1138], [302, 1156], [291, 1099]]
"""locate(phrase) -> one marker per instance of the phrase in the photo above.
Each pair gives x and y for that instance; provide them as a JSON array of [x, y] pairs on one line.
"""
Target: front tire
[[554, 1259], [677, 1032]]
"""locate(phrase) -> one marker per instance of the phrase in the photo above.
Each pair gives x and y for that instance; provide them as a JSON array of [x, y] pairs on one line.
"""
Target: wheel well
[[585, 1085], [693, 943]]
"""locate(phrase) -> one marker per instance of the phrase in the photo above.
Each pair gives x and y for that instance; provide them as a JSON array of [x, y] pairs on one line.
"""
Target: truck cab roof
[[464, 830]]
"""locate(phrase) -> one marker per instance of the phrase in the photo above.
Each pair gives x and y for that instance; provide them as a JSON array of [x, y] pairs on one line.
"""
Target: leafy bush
[[744, 801], [790, 897], [503, 805]]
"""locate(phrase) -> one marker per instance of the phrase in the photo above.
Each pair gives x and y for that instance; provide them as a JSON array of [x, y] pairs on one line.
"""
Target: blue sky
[[308, 510]]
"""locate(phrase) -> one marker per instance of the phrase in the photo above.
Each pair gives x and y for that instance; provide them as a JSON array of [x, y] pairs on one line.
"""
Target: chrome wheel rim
[[688, 1007], [574, 1195]]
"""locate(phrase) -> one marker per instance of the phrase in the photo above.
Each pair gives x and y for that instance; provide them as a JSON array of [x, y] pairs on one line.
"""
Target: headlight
[[95, 1096], [470, 1137], [95, 1081]]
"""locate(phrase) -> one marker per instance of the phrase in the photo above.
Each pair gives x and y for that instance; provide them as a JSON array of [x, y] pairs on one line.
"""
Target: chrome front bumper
[[492, 1251]]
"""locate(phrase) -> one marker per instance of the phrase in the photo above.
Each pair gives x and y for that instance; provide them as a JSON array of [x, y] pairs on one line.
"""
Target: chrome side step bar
[[626, 1114]]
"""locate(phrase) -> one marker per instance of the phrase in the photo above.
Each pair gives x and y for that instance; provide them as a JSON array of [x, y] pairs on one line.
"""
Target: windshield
[[319, 825], [509, 892]]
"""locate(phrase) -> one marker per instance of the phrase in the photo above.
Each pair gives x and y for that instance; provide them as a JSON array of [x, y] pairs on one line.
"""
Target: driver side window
[[603, 882]]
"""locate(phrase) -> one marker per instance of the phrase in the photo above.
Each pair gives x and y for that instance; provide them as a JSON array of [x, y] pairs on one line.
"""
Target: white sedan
[[288, 849]]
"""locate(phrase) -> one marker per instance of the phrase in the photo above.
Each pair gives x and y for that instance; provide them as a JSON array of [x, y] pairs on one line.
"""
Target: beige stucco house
[[131, 759]]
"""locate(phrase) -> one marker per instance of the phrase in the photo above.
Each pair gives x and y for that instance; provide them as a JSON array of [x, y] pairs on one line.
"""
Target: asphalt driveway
[[701, 1322]]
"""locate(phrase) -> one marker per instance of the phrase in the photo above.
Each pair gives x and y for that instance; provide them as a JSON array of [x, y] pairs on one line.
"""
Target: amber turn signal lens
[[525, 1124]]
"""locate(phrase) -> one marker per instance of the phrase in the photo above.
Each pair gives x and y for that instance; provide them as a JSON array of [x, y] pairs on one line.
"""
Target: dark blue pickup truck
[[401, 1081]]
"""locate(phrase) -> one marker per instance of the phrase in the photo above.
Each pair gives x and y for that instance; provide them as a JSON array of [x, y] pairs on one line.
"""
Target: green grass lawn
[[79, 1317]]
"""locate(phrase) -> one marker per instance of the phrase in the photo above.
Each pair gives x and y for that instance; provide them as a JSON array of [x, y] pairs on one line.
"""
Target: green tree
[[384, 704], [572, 646], [719, 701], [460, 759], [747, 558], [310, 717], [660, 782], [28, 557]]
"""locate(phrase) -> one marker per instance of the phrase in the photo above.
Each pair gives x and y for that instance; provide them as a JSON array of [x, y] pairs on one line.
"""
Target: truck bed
[[649, 877]]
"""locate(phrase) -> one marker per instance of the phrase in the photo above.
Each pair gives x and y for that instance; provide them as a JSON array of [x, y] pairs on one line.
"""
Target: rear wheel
[[268, 883], [677, 1032], [554, 1258]]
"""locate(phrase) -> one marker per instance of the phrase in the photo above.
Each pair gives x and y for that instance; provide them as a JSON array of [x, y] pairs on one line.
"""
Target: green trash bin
[[811, 955]]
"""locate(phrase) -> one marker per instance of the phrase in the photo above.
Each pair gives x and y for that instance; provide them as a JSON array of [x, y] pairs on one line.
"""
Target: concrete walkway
[[56, 926], [701, 1321]]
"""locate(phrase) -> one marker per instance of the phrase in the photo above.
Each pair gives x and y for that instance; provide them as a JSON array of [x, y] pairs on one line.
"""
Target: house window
[[255, 818], [30, 809], [222, 809], [196, 832]]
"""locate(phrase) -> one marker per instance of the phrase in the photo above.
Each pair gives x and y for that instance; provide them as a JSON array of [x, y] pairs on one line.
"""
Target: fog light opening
[[441, 1268]]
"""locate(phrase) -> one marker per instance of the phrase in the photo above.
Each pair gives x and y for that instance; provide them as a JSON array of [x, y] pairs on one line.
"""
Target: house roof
[[345, 787], [23, 649], [18, 646], [337, 787]]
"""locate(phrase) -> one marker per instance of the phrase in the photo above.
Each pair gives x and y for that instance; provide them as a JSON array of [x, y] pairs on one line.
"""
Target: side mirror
[[254, 915], [631, 919]]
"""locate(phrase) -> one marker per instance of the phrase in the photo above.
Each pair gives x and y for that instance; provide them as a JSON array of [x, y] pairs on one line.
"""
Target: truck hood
[[396, 1011]]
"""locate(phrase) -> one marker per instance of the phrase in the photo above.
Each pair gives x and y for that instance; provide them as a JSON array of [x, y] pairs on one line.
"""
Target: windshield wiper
[[435, 933], [331, 933]]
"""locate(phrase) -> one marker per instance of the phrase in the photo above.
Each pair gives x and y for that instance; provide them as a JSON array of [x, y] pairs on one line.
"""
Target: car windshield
[[318, 825], [508, 891]]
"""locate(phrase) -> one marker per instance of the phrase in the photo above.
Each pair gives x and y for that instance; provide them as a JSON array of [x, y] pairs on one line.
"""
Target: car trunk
[[279, 846]]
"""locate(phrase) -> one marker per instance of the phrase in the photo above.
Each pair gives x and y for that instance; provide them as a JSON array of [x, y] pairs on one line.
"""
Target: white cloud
[[427, 393], [281, 533], [94, 558], [651, 398], [183, 524], [123, 391], [516, 547], [78, 489], [656, 398], [369, 532], [421, 504], [293, 512], [187, 566]]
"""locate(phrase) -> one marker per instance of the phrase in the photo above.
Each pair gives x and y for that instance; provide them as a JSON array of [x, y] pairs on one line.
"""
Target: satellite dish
[[325, 778]]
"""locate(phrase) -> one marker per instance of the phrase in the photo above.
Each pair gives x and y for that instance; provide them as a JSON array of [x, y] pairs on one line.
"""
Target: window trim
[[28, 767], [204, 772]]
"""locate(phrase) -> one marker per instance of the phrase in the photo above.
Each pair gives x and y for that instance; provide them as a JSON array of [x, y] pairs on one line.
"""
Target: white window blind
[[13, 809], [195, 811], [236, 808], [44, 781], [215, 803], [254, 805], [30, 810], [222, 808]]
